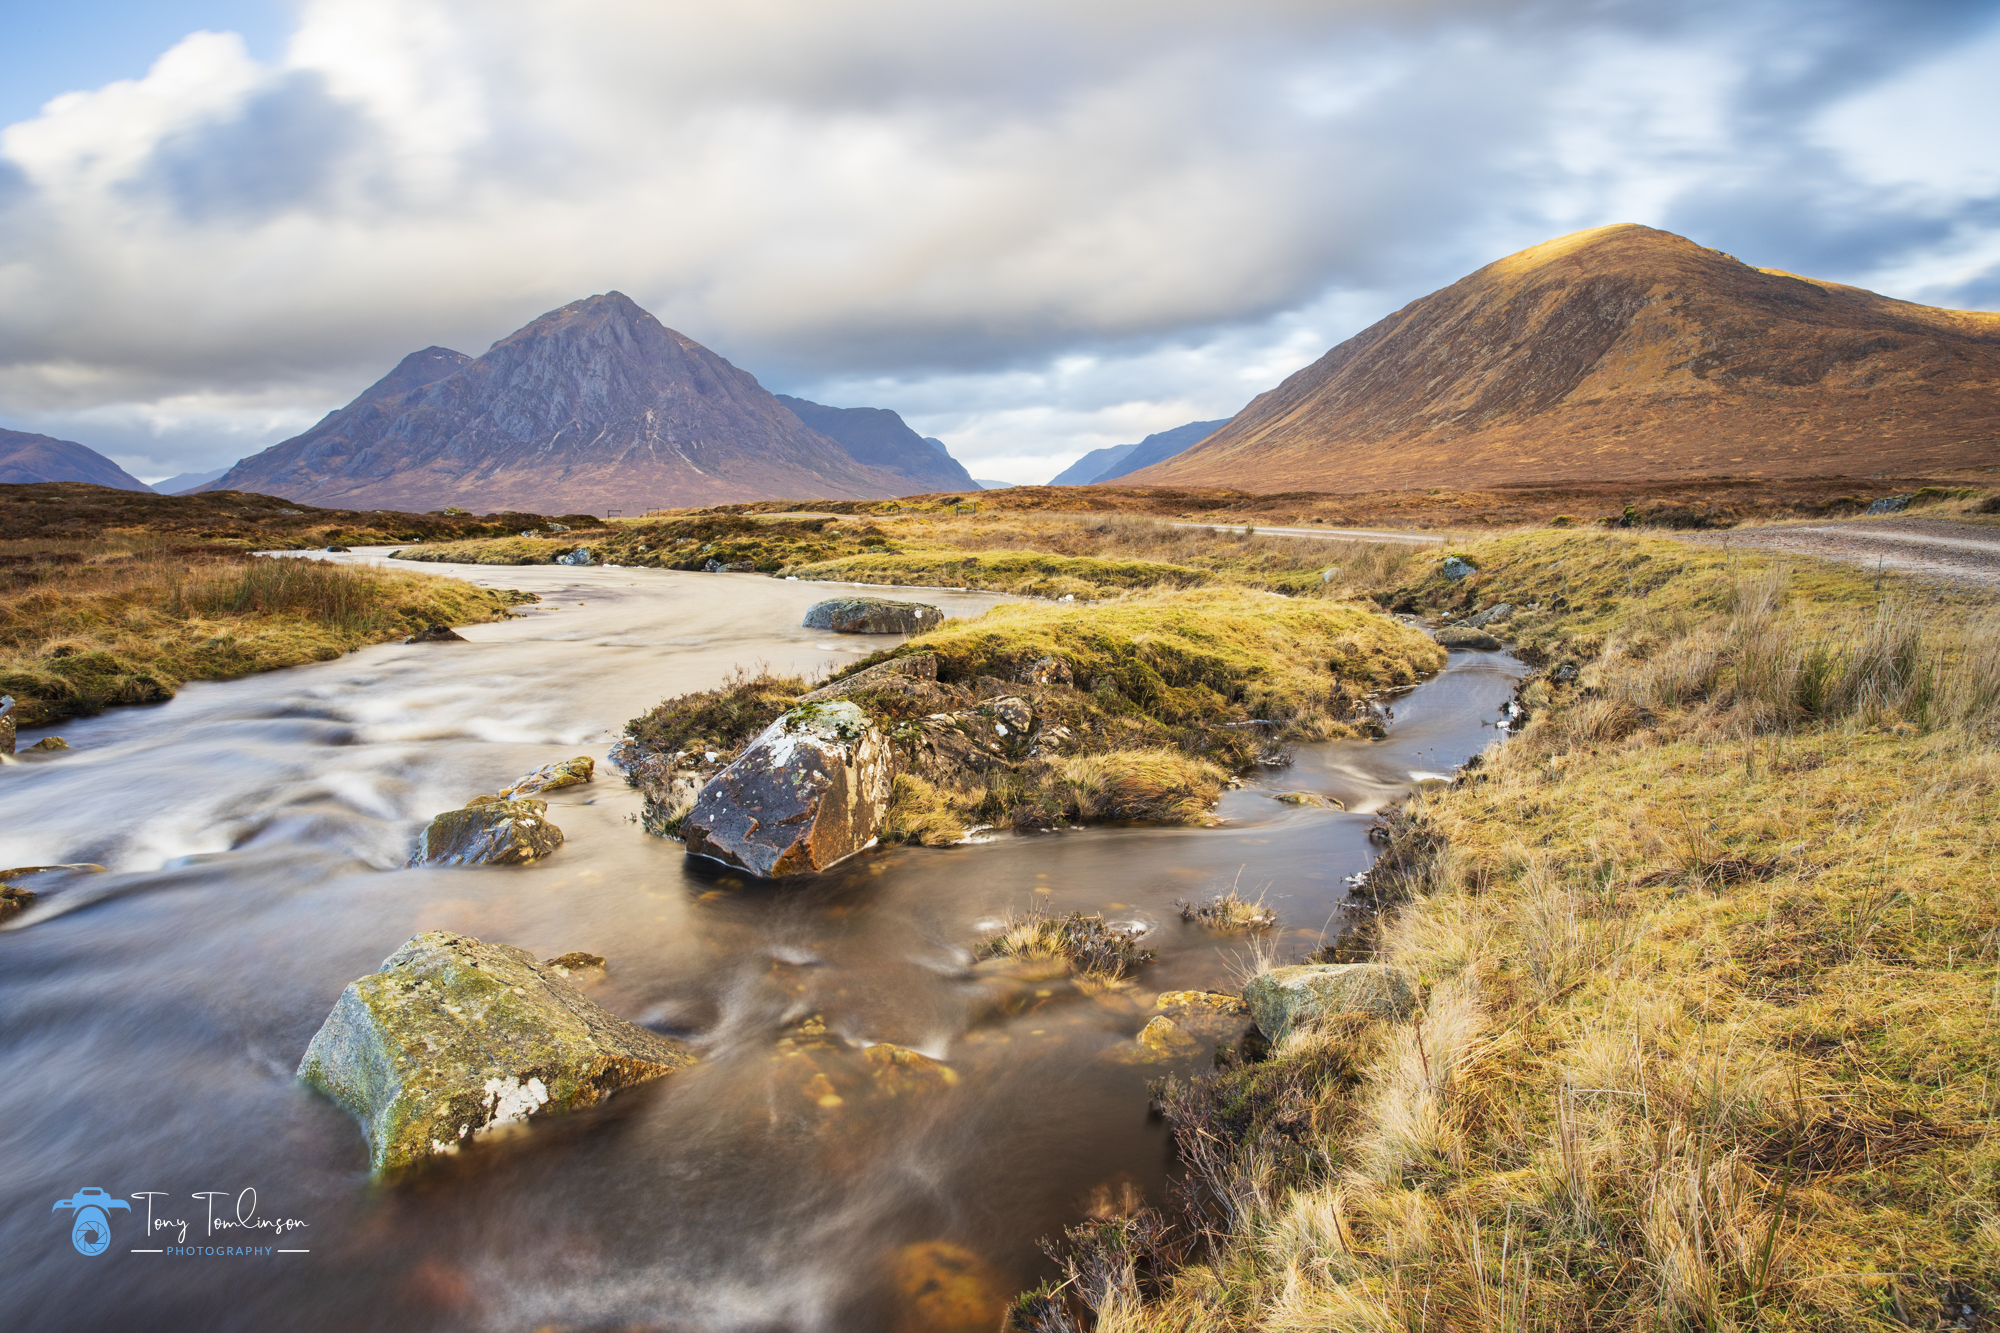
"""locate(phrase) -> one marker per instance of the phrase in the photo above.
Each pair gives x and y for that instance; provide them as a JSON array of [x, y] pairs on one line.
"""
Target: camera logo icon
[[90, 1232]]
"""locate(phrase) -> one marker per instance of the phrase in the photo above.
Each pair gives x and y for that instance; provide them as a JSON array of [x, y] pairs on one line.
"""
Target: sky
[[1034, 228]]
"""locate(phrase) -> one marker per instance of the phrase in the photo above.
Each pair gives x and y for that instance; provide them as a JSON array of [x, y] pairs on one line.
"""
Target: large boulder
[[1285, 997], [872, 615], [810, 791], [490, 831], [455, 1040]]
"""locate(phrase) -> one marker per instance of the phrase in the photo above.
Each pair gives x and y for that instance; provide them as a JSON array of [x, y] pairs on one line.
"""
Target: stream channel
[[151, 1017]]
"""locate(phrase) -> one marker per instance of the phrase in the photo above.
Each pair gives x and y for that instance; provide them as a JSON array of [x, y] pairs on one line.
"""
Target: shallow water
[[151, 1018]]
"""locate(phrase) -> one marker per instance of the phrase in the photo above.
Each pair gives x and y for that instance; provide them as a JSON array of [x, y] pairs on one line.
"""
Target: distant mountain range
[[1121, 459], [1620, 352], [187, 481], [25, 457], [593, 407]]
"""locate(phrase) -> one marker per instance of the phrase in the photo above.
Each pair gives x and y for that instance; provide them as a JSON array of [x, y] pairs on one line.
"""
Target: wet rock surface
[[454, 1040], [808, 792], [872, 615], [1287, 996], [553, 777], [49, 744], [436, 634], [491, 831]]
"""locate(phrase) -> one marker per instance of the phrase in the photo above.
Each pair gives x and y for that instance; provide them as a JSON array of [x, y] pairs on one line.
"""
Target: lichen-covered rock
[[50, 743], [872, 615], [1493, 614], [554, 777], [810, 791], [455, 1039], [1287, 996], [1457, 567], [436, 634], [1311, 798], [1457, 636], [492, 831], [1045, 671], [580, 556]]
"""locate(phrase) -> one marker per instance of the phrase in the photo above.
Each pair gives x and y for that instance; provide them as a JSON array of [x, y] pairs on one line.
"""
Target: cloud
[[1034, 228]]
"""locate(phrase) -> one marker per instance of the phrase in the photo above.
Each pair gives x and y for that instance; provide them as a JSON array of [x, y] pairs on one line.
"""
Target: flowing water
[[151, 1017]]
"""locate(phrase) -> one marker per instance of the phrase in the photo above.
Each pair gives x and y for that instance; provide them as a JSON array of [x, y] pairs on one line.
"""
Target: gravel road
[[1962, 553]]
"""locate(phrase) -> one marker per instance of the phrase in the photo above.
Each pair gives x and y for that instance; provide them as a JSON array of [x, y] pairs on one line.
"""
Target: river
[[151, 1017]]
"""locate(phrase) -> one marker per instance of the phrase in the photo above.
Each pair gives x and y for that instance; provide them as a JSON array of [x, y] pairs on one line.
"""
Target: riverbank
[[128, 617], [1709, 1030]]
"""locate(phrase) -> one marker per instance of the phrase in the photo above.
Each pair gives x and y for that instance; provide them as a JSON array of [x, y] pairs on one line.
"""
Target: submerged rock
[[1311, 798], [553, 777], [872, 615], [1457, 636], [455, 1039], [436, 634], [809, 792], [490, 831], [1287, 996]]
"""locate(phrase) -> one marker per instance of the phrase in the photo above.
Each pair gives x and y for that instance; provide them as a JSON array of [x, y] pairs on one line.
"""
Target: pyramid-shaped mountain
[[591, 408], [1620, 353]]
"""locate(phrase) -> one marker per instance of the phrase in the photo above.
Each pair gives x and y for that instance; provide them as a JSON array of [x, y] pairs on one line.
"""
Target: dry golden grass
[[1711, 1032], [1097, 953], [127, 618]]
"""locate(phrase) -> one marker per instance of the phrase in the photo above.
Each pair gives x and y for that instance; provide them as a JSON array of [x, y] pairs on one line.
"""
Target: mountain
[[1620, 353], [987, 485], [29, 458], [593, 407], [1158, 448], [1092, 465], [187, 481], [877, 437]]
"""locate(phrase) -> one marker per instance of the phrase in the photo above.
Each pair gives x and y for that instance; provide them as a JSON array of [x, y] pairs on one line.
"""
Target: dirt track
[[1962, 553]]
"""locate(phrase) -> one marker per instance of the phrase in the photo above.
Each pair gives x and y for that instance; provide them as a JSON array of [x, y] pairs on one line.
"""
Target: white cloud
[[1034, 228]]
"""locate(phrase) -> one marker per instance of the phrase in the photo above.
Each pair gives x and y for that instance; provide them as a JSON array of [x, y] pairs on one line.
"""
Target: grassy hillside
[[1711, 1028], [125, 618]]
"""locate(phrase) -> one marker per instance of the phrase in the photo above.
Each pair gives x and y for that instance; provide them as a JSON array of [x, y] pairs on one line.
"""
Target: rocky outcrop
[[490, 831], [807, 793], [455, 1040], [1046, 671], [1285, 997], [898, 675], [553, 777], [872, 615]]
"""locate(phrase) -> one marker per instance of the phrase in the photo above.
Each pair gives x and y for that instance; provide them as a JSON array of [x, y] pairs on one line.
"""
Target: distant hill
[[1092, 465], [27, 458], [1620, 353], [1159, 447], [878, 438], [187, 481], [593, 407], [985, 485]]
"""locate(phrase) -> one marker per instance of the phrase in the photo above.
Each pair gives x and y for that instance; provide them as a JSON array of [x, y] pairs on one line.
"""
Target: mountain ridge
[[1620, 351], [26, 458]]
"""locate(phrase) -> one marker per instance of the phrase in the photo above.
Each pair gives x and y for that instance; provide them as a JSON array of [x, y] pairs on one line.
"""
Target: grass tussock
[[1094, 950], [1155, 785], [1711, 1029], [1228, 912], [721, 720], [125, 619]]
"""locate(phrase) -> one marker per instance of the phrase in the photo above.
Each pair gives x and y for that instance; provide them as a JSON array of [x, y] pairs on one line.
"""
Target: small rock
[[580, 556], [1160, 1040], [50, 743], [553, 777], [809, 792], [1313, 799], [892, 673], [1286, 996], [1050, 670], [1890, 504], [436, 634], [14, 900], [1456, 636], [455, 1040], [1457, 567], [578, 961], [6, 724], [1209, 1000], [1491, 615], [492, 832], [872, 615], [339, 550], [1565, 673]]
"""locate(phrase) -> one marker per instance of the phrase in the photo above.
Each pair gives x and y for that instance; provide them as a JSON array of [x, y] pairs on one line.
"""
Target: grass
[[514, 550], [1096, 952], [1172, 692], [124, 619], [1711, 1032], [1228, 912]]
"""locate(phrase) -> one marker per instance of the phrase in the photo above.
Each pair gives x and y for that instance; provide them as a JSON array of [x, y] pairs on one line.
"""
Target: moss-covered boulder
[[455, 1040], [490, 831], [811, 790], [1458, 636], [1285, 997], [554, 777], [873, 615]]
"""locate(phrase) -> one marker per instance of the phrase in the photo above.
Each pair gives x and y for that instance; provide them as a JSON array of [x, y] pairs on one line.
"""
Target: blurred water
[[151, 1018]]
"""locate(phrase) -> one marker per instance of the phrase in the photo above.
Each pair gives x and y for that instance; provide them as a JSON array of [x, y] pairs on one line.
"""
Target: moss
[[721, 720]]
